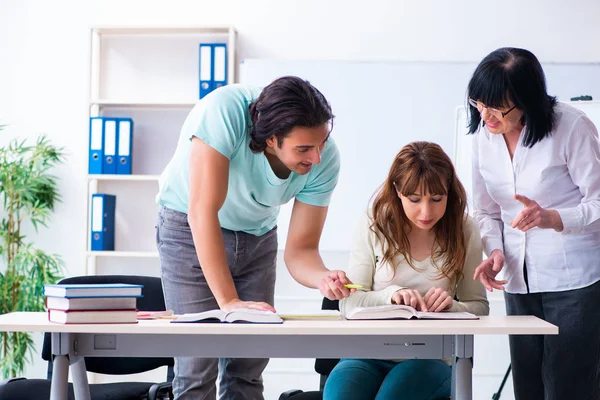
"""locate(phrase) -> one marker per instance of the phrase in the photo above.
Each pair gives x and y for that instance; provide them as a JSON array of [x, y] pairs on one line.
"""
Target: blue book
[[124, 145], [93, 290], [96, 158], [205, 70], [219, 58], [103, 222], [109, 165]]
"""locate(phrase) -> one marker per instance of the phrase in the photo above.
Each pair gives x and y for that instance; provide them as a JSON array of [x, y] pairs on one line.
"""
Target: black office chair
[[152, 300]]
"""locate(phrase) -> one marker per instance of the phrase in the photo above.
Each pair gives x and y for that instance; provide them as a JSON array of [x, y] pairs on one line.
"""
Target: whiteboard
[[463, 143], [380, 107]]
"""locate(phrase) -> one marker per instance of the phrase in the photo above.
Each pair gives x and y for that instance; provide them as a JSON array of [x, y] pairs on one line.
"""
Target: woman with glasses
[[536, 194]]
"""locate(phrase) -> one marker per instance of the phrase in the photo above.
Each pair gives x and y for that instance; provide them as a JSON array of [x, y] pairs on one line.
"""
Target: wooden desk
[[395, 339]]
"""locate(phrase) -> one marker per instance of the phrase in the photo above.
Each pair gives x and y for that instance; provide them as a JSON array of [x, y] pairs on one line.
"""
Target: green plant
[[28, 194]]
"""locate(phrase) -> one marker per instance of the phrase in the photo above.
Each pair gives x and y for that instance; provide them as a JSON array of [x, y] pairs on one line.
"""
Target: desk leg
[[462, 368], [462, 379], [60, 378], [80, 382]]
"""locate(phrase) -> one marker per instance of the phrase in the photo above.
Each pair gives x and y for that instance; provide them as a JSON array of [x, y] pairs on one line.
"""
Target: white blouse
[[561, 172]]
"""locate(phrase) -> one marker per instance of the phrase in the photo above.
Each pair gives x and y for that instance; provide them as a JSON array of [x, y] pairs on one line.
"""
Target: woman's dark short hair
[[286, 103], [516, 75]]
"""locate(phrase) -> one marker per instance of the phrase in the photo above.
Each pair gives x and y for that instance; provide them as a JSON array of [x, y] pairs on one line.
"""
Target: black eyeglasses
[[495, 112]]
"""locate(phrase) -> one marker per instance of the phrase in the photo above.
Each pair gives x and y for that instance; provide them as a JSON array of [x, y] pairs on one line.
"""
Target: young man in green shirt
[[242, 153]]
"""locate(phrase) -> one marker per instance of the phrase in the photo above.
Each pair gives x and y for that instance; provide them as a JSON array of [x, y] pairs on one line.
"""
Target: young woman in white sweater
[[415, 246]]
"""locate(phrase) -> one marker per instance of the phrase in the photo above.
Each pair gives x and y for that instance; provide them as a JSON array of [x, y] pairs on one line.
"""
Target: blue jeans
[[563, 366], [252, 261], [358, 379]]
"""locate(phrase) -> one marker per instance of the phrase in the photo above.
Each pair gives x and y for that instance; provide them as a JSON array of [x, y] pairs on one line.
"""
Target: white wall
[[44, 53]]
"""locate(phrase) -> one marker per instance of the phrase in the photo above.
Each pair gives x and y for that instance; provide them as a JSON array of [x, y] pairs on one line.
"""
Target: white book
[[243, 315], [93, 316], [396, 311], [91, 303], [93, 290]]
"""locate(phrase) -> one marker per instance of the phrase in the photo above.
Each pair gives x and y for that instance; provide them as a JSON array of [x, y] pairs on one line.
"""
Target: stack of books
[[92, 303]]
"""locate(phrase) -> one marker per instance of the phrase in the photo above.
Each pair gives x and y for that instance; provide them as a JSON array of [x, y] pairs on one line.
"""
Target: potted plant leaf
[[28, 194]]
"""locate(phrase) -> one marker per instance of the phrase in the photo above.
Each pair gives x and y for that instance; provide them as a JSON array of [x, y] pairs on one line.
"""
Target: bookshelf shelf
[[142, 103], [123, 254], [133, 178], [164, 30]]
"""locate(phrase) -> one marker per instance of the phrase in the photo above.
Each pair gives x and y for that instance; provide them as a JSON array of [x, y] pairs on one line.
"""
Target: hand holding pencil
[[336, 285]]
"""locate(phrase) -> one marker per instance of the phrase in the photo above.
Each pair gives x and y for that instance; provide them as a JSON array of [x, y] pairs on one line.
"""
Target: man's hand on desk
[[332, 285], [253, 305]]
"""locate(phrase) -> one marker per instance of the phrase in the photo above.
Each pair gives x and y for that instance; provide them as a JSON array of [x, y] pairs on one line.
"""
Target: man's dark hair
[[286, 103]]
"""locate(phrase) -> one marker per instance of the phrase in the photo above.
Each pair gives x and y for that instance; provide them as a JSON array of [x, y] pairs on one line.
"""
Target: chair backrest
[[152, 300], [330, 304]]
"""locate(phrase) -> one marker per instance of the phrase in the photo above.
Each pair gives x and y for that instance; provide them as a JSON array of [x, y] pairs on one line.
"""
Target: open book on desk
[[396, 311], [240, 315]]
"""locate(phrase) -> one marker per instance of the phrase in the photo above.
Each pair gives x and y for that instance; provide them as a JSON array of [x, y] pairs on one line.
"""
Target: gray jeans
[[252, 262], [563, 366]]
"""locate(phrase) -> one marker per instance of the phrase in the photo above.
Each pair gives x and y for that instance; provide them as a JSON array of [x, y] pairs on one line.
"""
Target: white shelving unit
[[122, 177], [150, 74], [140, 104], [126, 254]]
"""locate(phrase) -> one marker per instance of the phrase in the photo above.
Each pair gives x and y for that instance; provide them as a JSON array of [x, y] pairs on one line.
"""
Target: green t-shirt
[[222, 121]]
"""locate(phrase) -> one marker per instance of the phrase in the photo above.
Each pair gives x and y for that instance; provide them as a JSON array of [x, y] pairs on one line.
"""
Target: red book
[[93, 316]]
